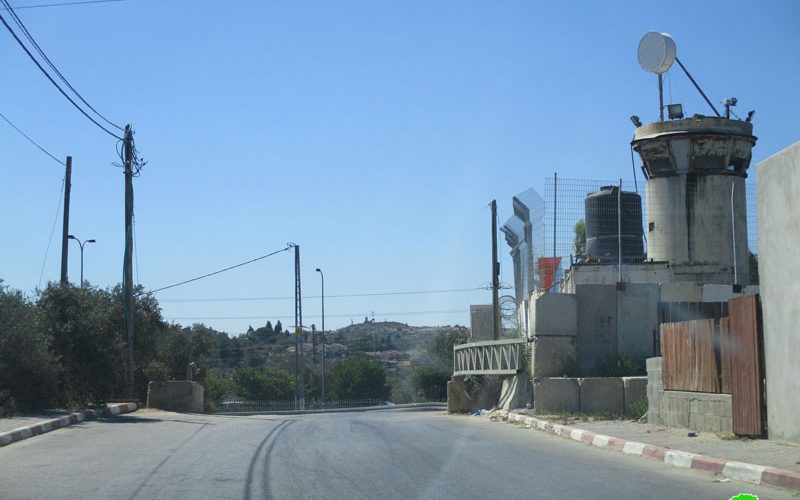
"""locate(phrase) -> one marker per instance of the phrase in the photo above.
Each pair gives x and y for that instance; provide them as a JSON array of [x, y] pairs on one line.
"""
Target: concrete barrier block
[[456, 396], [681, 292], [653, 364], [555, 314], [601, 395], [634, 389], [174, 395], [555, 395], [552, 356]]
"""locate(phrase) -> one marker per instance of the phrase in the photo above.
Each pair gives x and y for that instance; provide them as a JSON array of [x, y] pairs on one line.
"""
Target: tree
[[579, 241], [358, 378], [278, 327], [263, 384], [430, 383], [28, 370]]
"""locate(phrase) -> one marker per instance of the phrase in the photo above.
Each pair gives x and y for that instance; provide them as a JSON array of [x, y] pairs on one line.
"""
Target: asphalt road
[[387, 454]]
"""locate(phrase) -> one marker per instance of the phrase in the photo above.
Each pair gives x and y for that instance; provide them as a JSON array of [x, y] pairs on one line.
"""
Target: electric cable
[[21, 44], [31, 140], [61, 4], [50, 63], [53, 230], [220, 271], [327, 296]]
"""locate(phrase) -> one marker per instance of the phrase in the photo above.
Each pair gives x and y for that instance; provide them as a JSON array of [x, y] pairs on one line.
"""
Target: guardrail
[[492, 357]]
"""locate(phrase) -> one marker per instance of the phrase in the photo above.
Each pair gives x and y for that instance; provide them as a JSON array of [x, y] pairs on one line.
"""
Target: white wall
[[778, 197]]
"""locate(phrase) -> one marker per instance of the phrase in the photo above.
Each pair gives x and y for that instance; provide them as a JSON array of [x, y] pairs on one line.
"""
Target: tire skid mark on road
[[248, 485], [166, 459]]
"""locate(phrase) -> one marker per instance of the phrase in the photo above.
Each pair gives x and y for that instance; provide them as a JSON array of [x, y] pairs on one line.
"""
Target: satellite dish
[[656, 52]]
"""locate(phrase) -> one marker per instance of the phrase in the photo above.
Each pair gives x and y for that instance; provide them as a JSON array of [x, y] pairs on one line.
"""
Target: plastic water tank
[[602, 239]]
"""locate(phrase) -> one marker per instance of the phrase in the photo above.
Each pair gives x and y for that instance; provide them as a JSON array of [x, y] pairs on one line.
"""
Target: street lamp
[[322, 276], [81, 243]]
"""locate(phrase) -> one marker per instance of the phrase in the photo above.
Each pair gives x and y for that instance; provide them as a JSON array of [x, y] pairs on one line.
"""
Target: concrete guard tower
[[696, 169]]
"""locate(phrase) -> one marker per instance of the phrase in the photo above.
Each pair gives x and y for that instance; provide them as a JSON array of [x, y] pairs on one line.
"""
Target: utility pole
[[495, 277], [298, 329], [65, 233], [127, 275]]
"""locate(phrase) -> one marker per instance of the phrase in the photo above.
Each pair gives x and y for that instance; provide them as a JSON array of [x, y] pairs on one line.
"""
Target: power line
[[61, 4], [386, 314], [30, 140], [30, 38], [375, 294], [55, 221], [45, 73], [221, 270]]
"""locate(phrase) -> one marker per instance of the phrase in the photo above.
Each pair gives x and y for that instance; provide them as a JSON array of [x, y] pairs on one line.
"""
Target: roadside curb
[[757, 474], [38, 428]]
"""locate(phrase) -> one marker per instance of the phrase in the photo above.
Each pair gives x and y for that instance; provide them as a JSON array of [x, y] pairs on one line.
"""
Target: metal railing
[[282, 406], [493, 357]]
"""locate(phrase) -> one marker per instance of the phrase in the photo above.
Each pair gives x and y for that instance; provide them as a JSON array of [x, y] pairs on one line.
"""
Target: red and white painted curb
[[21, 433], [757, 474]]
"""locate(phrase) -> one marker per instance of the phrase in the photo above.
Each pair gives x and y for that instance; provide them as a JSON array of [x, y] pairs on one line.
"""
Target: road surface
[[387, 454]]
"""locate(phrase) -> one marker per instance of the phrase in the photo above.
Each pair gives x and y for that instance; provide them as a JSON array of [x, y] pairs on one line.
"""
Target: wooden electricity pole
[[127, 275], [495, 277], [65, 232]]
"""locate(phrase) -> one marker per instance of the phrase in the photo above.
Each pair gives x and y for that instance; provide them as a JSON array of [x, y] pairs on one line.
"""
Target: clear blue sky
[[374, 134]]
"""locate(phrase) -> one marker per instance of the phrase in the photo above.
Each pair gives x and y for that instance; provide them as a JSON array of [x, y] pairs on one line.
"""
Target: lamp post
[[81, 243], [322, 277]]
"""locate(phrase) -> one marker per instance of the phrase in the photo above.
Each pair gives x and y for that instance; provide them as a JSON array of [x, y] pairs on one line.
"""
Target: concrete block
[[597, 324], [481, 322], [681, 292], [552, 356], [556, 395], [513, 393], [555, 314], [634, 389], [717, 293], [637, 320], [173, 395], [654, 363], [456, 395], [601, 395]]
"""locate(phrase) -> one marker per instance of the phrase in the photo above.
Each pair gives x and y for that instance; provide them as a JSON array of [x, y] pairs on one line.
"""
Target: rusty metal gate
[[745, 349]]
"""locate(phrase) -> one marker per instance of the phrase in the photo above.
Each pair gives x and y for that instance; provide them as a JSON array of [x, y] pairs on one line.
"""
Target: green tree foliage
[[443, 345], [263, 384], [86, 340], [28, 370], [358, 378], [430, 382], [579, 241]]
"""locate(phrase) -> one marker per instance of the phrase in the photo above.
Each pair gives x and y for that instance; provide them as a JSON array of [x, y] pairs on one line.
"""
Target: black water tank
[[601, 226]]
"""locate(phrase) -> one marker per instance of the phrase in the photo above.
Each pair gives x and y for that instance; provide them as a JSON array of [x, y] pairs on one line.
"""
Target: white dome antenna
[[656, 52]]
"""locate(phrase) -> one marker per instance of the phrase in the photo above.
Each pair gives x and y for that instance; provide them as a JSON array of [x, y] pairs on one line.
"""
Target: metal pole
[[127, 275], [661, 97], [298, 319], [81, 244], [619, 231], [555, 211], [733, 226], [322, 277], [495, 276], [65, 232]]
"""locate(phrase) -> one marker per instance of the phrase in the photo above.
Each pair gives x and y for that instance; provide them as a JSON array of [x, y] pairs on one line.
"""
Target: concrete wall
[[554, 314], [637, 320], [587, 395], [699, 411], [608, 275], [552, 356], [464, 397], [597, 324], [778, 197], [481, 323], [180, 396]]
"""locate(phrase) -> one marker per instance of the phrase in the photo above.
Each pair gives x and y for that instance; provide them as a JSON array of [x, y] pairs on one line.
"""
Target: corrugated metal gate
[[745, 348], [720, 356]]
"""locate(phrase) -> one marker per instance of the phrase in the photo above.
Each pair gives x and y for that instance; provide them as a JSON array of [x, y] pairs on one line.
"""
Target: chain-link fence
[[703, 226]]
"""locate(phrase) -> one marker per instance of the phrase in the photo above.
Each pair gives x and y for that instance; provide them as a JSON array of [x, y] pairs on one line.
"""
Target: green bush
[[263, 384], [430, 383], [358, 378]]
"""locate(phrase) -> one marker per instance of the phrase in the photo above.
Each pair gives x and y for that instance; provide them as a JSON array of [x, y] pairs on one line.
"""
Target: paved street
[[389, 454]]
